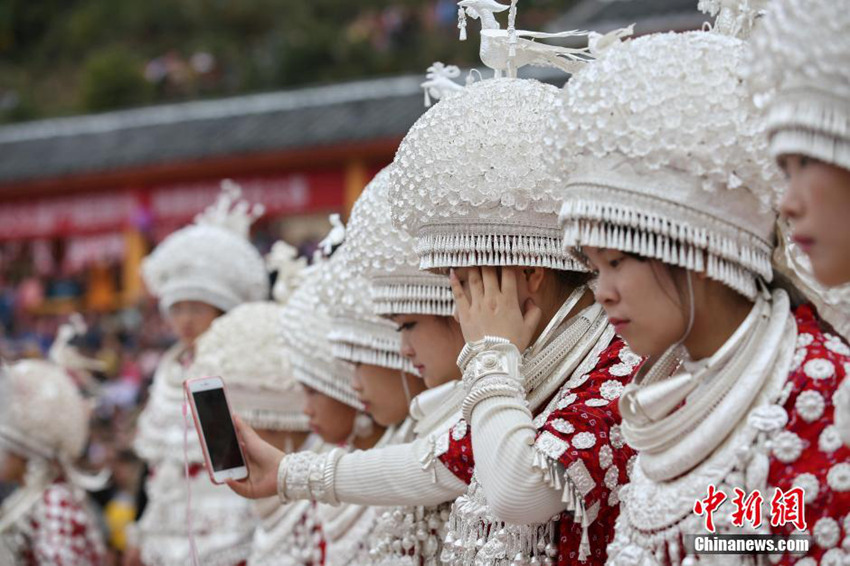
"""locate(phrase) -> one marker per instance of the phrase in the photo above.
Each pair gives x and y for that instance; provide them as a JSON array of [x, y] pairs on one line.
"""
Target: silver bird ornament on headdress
[[507, 50], [438, 82]]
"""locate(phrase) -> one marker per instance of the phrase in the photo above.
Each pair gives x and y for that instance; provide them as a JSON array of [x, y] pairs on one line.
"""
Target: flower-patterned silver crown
[[244, 348], [662, 153], [212, 260], [800, 62], [304, 325], [386, 257], [468, 180]]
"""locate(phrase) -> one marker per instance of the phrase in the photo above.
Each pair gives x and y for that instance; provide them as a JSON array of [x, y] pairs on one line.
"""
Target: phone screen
[[217, 426]]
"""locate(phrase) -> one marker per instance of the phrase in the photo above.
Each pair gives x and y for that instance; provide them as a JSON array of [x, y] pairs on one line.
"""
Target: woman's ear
[[534, 277]]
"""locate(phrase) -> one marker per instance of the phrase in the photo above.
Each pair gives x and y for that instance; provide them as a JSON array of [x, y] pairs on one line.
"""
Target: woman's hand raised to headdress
[[488, 305]]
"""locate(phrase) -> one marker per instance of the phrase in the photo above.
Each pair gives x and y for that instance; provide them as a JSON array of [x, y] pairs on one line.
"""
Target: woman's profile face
[[383, 394], [640, 298], [432, 344], [329, 418], [817, 204]]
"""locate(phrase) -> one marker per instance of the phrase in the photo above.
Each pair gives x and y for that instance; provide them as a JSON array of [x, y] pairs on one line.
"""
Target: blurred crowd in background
[[36, 297], [68, 57]]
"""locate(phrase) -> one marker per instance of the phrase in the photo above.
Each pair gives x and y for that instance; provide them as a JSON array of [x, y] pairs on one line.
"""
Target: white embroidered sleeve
[[503, 442], [389, 476], [404, 474]]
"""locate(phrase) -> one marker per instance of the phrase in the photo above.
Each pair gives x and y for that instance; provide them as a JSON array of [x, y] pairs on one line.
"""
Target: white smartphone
[[214, 423]]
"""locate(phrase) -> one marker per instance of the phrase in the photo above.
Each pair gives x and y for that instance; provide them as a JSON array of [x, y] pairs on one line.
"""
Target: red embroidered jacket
[[581, 432]]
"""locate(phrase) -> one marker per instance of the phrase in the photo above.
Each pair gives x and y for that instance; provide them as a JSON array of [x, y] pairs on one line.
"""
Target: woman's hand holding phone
[[263, 461]]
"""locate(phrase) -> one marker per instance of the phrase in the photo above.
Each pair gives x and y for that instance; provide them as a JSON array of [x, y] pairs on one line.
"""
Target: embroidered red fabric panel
[[458, 453], [809, 453], [582, 432]]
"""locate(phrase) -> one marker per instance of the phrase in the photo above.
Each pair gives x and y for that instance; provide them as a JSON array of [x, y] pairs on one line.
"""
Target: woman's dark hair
[[572, 279]]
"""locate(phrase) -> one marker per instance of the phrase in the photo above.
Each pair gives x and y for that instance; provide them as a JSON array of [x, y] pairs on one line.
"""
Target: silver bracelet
[[471, 349], [323, 487], [498, 360], [293, 476]]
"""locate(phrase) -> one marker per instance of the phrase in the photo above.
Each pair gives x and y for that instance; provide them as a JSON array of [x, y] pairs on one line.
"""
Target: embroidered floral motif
[[628, 361], [836, 345], [768, 418], [541, 419], [810, 485], [810, 405], [804, 339], [620, 370], [833, 557], [596, 402], [567, 401], [584, 440], [629, 357], [460, 429], [614, 497], [563, 426], [611, 477], [826, 532], [829, 440], [838, 477], [551, 445], [630, 465], [819, 368], [616, 436], [611, 389], [606, 456], [787, 446]]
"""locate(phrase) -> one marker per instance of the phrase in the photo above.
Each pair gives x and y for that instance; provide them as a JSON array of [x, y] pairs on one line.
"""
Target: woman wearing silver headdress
[[800, 62], [668, 196]]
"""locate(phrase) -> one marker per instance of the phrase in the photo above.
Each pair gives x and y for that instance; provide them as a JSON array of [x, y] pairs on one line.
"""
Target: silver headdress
[[305, 323], [439, 82], [43, 415], [505, 51], [662, 153], [386, 256], [799, 69], [800, 66], [244, 348], [283, 259], [212, 260], [358, 334], [468, 180]]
